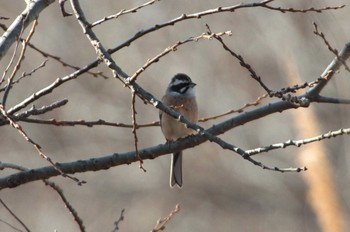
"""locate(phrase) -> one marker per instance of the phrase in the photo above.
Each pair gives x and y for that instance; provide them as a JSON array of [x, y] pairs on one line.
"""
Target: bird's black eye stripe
[[181, 88]]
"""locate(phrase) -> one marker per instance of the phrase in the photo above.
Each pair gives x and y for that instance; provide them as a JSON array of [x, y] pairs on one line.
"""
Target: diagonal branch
[[330, 48], [329, 72], [116, 159], [55, 187], [32, 11], [14, 215], [123, 12], [121, 75]]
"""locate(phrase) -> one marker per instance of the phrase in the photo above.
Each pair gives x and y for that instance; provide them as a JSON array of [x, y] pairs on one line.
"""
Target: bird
[[180, 96]]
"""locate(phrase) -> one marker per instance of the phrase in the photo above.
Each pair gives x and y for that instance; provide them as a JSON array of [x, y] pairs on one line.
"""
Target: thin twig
[[330, 48], [42, 110], [240, 110], [161, 223], [241, 62], [25, 75], [14, 215], [120, 219], [54, 187], [8, 224], [13, 56], [123, 12], [70, 208], [311, 9], [99, 122], [36, 146], [196, 15], [65, 64], [143, 94], [18, 65], [174, 48], [134, 129], [298, 143]]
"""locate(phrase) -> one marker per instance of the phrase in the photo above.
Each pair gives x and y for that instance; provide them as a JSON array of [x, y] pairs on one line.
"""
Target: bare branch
[[161, 223], [42, 110], [14, 215], [120, 219], [120, 74], [330, 48], [31, 12], [99, 122], [36, 146], [18, 65], [240, 110], [242, 62], [134, 128], [48, 89], [197, 15], [328, 73], [54, 187], [174, 48], [331, 100], [65, 64], [298, 143], [25, 75], [70, 208], [312, 9], [123, 12]]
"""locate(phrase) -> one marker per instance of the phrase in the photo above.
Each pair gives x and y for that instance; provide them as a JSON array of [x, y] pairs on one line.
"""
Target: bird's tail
[[176, 169]]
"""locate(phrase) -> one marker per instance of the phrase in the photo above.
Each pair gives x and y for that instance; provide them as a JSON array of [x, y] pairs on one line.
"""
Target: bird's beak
[[193, 84]]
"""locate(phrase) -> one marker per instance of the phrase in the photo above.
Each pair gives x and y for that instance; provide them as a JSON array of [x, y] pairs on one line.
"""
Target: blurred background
[[222, 191]]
